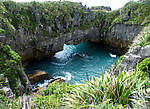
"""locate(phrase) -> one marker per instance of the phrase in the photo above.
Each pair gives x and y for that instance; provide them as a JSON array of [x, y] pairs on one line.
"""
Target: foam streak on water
[[76, 62]]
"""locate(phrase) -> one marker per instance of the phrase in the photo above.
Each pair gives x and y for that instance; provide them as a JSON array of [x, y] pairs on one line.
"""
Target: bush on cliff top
[[48, 18], [138, 13]]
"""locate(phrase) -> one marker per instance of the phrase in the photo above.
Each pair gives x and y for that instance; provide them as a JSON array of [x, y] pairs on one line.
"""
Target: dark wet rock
[[58, 80], [38, 76]]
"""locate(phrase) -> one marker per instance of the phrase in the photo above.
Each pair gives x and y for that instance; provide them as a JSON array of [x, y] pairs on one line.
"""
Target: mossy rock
[[11, 68]]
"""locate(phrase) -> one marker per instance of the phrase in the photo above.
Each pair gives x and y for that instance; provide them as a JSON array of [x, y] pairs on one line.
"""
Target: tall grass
[[125, 90], [111, 91]]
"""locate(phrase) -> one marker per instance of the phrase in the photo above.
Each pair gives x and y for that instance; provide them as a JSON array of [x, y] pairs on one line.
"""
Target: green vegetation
[[138, 13], [51, 97], [60, 17], [143, 38], [11, 68], [125, 90], [52, 18], [144, 67]]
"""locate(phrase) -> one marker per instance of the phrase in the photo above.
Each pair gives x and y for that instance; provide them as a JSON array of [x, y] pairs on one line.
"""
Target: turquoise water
[[75, 63]]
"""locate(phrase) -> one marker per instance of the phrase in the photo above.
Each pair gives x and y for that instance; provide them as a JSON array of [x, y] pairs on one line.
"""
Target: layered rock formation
[[37, 30], [120, 37], [138, 52]]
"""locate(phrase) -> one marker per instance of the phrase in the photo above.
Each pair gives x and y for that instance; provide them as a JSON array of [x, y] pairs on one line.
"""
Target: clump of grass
[[108, 91]]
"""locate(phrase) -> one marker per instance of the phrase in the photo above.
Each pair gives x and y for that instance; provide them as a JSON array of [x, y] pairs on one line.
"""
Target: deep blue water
[[75, 62]]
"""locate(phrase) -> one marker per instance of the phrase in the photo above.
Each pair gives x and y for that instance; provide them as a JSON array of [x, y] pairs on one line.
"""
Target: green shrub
[[144, 66]]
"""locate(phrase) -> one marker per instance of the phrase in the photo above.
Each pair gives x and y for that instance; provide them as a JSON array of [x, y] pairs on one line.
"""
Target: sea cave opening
[[75, 63]]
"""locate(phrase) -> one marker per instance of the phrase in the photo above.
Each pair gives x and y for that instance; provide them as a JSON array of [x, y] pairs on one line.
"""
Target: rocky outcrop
[[51, 26], [107, 8], [38, 76], [136, 53], [120, 37], [32, 47]]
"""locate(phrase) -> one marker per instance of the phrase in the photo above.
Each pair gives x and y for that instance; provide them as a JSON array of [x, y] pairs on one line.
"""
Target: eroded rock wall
[[120, 37]]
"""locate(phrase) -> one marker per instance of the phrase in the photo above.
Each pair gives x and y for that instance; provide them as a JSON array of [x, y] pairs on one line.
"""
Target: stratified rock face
[[33, 47], [36, 30], [139, 51], [13, 80], [120, 36]]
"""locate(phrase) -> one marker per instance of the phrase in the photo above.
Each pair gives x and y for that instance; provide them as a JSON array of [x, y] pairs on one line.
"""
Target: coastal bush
[[125, 90], [145, 40], [59, 17]]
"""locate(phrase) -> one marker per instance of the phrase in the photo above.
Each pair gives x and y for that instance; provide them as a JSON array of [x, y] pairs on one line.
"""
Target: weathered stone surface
[[133, 57], [31, 47], [8, 92], [145, 51], [13, 80], [120, 37], [39, 76]]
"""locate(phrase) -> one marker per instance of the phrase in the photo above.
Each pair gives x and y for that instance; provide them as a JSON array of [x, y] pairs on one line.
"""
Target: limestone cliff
[[36, 30], [139, 51]]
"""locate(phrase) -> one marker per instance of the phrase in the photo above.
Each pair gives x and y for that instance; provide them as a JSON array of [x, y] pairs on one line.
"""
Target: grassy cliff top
[[46, 17], [52, 18], [132, 13]]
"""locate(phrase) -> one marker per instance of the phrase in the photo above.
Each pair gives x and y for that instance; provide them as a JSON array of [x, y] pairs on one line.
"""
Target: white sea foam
[[67, 76], [46, 82], [112, 55]]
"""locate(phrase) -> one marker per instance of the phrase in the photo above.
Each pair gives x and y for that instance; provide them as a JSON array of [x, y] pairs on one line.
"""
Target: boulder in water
[[38, 77], [58, 80]]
